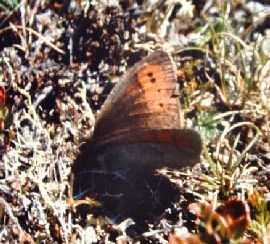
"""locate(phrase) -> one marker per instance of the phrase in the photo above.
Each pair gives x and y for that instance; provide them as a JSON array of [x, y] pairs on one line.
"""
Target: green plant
[[260, 225], [9, 5], [207, 125], [226, 178], [238, 61]]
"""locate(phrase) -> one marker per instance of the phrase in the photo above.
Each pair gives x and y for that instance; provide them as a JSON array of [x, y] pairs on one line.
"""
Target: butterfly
[[138, 130]]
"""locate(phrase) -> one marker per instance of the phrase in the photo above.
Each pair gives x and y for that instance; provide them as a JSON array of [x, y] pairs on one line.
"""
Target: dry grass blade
[[226, 131]]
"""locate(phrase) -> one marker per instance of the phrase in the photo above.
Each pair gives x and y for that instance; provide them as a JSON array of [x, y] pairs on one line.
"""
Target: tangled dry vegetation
[[60, 59]]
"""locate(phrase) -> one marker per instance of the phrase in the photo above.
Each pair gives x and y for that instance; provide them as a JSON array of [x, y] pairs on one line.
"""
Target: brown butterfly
[[139, 125], [138, 130]]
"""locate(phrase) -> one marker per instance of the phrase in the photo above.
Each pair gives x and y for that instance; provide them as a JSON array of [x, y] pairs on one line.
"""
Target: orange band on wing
[[183, 138]]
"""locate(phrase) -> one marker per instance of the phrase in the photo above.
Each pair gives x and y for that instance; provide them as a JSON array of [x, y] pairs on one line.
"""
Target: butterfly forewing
[[143, 99]]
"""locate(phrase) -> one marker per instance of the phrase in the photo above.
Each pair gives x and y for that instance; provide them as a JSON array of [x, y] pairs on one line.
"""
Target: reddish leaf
[[185, 239], [2, 96], [237, 215], [6, 143], [2, 126]]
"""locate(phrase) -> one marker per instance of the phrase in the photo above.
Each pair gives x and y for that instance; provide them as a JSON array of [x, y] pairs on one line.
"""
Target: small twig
[[50, 204], [46, 41], [22, 47], [31, 19], [44, 93], [22, 12], [254, 23], [11, 215], [10, 72], [222, 115]]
